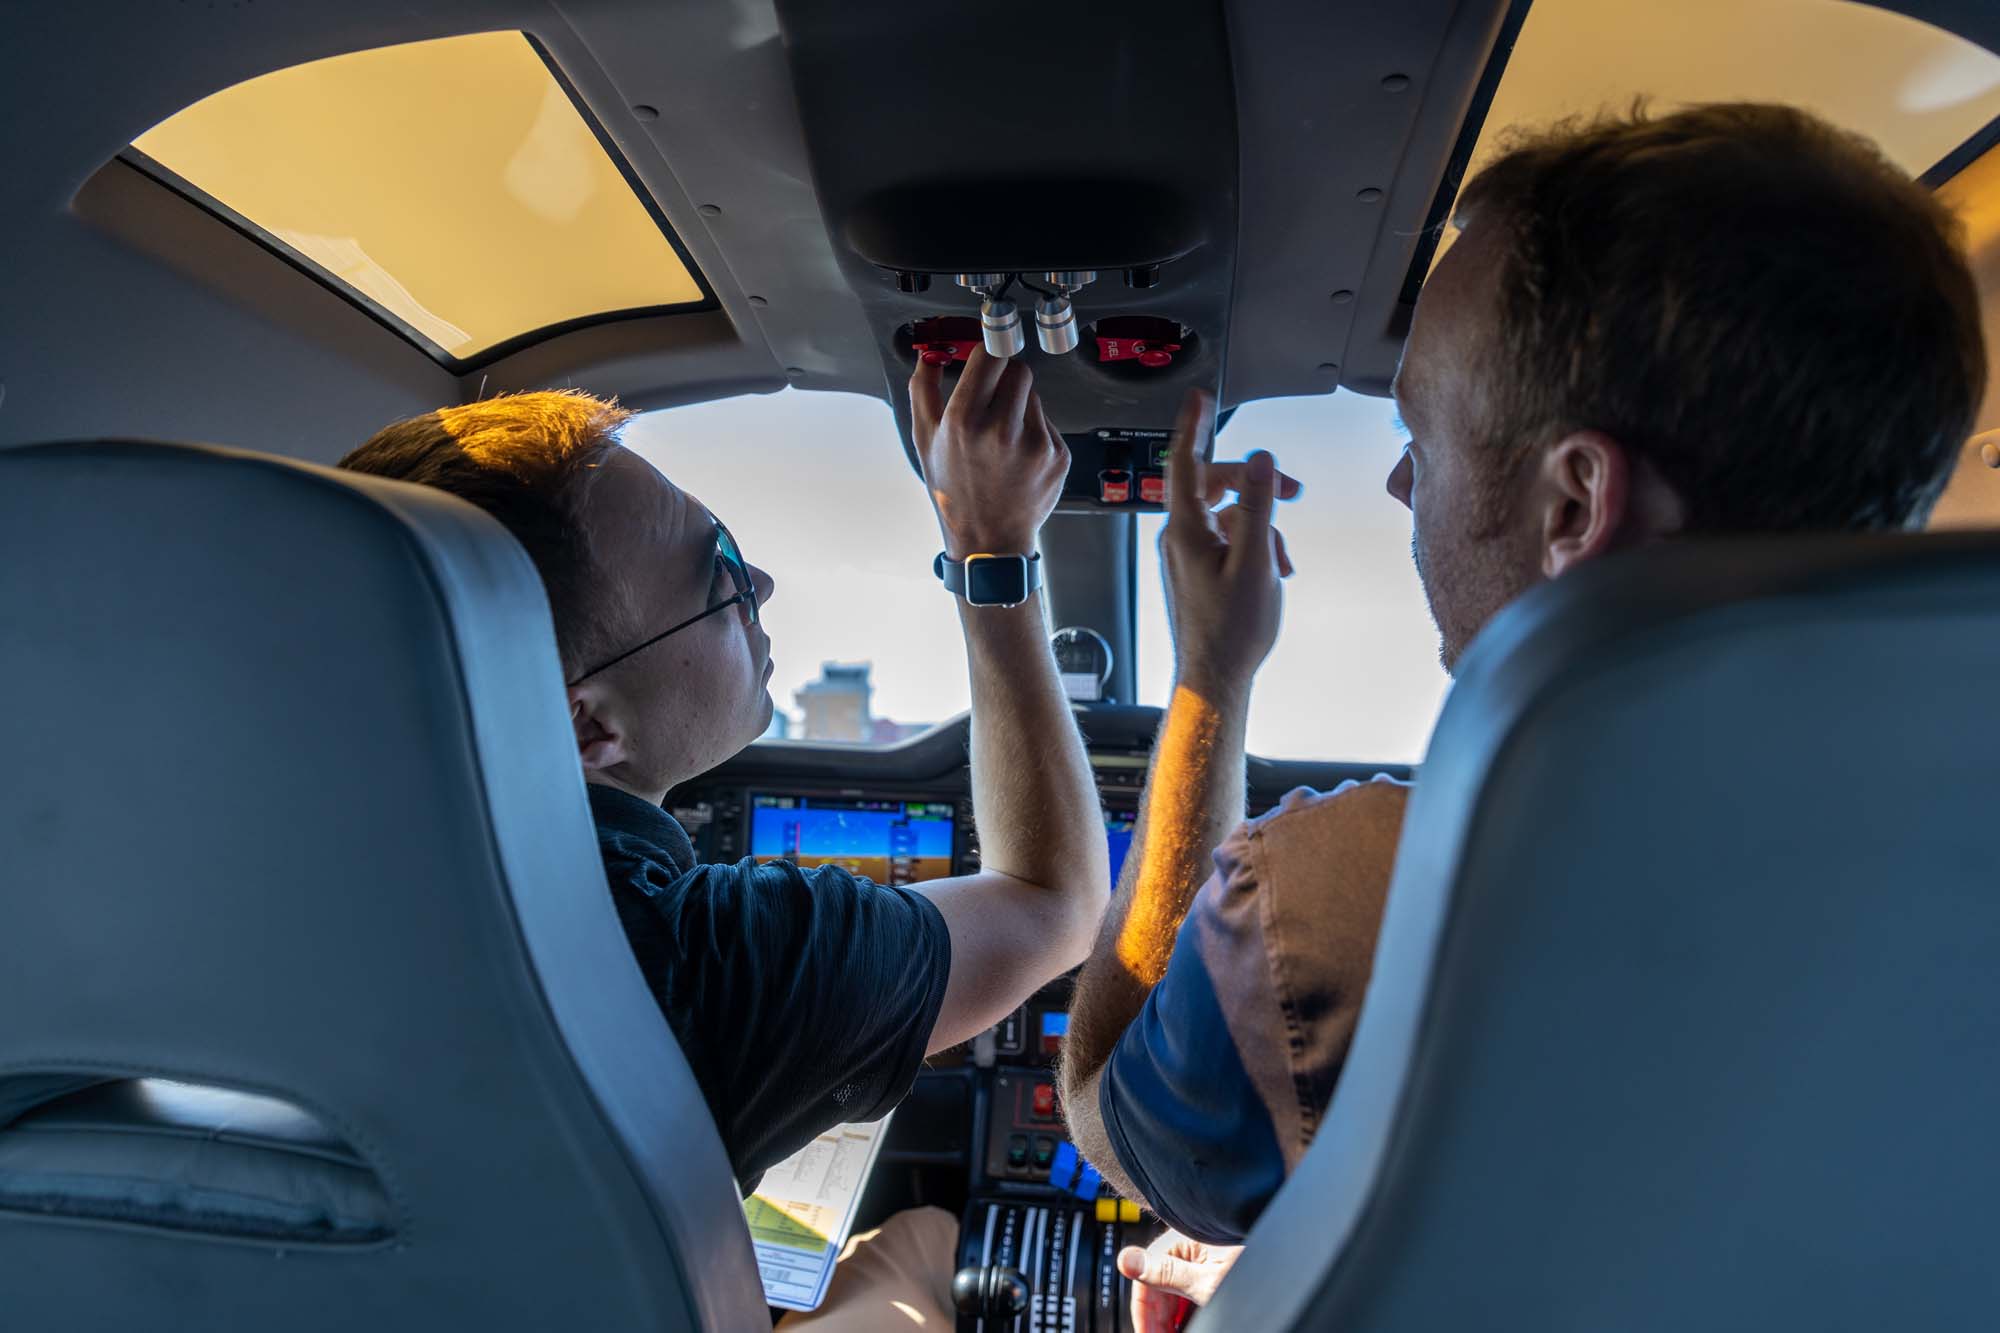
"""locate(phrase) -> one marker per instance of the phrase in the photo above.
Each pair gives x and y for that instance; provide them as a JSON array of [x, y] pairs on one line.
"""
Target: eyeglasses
[[730, 557]]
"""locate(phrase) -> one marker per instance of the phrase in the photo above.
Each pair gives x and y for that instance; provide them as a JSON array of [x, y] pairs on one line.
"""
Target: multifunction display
[[890, 842]]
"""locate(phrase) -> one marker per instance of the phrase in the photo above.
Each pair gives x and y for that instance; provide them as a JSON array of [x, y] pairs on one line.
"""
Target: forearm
[[1034, 800], [1194, 797]]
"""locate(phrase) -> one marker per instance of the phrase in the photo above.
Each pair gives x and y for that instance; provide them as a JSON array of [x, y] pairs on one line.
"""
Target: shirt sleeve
[[1213, 1094], [1181, 1112], [815, 992]]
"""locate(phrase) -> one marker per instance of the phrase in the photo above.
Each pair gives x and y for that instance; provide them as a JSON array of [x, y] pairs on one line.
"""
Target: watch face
[[996, 580]]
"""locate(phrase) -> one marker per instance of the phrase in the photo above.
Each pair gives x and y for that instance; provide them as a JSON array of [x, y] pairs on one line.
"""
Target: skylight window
[[453, 187], [1917, 91]]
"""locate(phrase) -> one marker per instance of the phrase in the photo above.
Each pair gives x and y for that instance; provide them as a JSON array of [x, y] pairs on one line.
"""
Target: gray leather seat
[[291, 813], [1686, 1004]]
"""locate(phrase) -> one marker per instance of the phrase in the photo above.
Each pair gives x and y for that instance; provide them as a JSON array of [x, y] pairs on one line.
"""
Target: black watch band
[[990, 580]]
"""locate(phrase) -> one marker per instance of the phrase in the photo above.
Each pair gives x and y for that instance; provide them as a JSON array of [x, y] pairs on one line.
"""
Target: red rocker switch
[[1147, 339], [1137, 349], [945, 339]]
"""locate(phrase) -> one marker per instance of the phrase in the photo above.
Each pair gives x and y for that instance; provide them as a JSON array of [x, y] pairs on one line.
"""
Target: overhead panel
[[1916, 90], [452, 186]]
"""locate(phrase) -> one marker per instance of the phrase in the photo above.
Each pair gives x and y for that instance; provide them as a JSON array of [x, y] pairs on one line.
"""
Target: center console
[[1034, 1206]]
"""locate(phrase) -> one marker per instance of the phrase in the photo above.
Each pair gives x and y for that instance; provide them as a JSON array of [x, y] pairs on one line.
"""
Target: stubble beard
[[1447, 656]]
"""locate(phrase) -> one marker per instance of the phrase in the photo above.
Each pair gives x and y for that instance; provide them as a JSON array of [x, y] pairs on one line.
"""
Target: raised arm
[[995, 469], [1225, 602]]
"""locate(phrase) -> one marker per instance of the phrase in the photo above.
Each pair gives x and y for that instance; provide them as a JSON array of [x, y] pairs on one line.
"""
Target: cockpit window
[[453, 187], [1918, 91], [865, 642], [1355, 675], [866, 645]]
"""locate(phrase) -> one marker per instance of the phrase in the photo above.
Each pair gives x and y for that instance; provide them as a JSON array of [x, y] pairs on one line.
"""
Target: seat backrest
[[1685, 1004], [289, 807]]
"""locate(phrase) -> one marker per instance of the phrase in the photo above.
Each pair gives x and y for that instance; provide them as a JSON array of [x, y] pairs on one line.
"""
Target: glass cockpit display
[[890, 842]]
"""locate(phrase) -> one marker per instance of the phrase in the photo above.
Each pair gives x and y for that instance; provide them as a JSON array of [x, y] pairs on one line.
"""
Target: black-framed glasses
[[730, 556]]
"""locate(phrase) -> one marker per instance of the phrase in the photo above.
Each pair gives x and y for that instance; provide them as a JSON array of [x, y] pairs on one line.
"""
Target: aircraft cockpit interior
[[314, 1013]]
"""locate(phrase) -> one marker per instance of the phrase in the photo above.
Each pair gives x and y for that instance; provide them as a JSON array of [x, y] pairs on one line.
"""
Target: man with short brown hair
[[1732, 319], [802, 998]]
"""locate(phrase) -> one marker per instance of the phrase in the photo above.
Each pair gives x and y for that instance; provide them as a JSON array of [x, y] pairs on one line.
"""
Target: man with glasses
[[801, 998]]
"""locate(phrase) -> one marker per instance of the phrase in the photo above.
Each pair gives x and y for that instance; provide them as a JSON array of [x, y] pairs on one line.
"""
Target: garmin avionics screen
[[1118, 839], [890, 842]]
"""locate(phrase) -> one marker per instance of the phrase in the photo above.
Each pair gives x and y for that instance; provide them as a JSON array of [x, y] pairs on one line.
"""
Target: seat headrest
[[1682, 994], [292, 806]]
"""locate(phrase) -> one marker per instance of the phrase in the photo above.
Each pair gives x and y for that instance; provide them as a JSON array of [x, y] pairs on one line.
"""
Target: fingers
[[1222, 478], [1186, 480], [1251, 546], [1247, 523], [1259, 487], [1162, 1272], [1010, 396], [926, 403], [1155, 1308], [978, 380]]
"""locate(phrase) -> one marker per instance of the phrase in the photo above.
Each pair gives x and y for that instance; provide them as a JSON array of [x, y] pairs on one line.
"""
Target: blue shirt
[[1213, 1094]]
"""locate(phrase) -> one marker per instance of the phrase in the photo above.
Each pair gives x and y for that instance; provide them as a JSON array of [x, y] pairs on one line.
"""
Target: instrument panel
[[889, 838], [982, 1131]]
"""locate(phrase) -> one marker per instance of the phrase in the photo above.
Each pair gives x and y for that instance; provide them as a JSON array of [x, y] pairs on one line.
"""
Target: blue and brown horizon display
[[890, 842]]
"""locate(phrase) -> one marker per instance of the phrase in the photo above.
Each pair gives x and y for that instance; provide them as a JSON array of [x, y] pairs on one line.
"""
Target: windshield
[[1355, 674], [865, 645]]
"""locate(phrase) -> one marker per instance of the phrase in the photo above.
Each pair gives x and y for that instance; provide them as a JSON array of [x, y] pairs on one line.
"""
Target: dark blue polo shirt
[[802, 999]]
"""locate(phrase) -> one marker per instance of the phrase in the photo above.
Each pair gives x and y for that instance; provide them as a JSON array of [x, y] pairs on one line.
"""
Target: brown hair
[[1759, 304], [524, 459]]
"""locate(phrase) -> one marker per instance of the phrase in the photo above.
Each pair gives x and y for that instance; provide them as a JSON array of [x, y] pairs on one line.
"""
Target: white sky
[[816, 487]]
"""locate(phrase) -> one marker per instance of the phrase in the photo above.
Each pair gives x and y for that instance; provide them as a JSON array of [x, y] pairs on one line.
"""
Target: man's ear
[[1586, 489], [600, 736]]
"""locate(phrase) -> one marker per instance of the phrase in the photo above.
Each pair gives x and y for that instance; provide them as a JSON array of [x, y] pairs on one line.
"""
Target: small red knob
[[1156, 357]]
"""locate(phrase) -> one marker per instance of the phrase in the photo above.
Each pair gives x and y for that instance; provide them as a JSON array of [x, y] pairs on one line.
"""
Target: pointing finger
[[976, 383], [926, 404], [1011, 394], [1186, 482], [1222, 478]]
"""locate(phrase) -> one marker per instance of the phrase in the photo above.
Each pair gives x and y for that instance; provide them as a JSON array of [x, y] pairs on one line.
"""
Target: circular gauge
[[1084, 659]]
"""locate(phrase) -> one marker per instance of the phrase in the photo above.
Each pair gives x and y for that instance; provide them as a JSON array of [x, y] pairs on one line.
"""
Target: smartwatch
[[990, 580]]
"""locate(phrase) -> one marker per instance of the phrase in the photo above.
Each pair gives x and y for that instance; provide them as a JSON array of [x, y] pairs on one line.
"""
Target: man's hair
[[1757, 303], [526, 459]]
